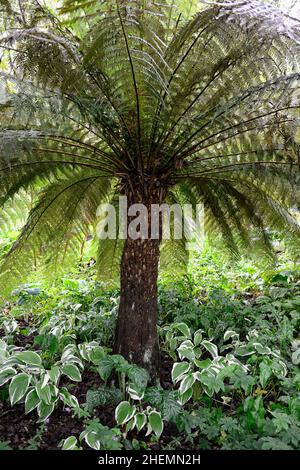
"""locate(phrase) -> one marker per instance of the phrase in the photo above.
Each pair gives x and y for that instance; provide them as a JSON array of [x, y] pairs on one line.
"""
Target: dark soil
[[22, 340], [166, 364], [15, 427], [90, 381], [18, 430], [60, 425]]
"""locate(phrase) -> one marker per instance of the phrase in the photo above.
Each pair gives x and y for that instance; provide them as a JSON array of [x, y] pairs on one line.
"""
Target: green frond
[[244, 211], [56, 227], [120, 97], [109, 250], [14, 213], [174, 253]]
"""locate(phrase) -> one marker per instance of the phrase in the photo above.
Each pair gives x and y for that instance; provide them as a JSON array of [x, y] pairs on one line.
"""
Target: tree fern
[[141, 99]]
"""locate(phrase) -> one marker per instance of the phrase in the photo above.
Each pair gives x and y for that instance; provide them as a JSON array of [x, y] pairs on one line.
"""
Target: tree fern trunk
[[136, 334]]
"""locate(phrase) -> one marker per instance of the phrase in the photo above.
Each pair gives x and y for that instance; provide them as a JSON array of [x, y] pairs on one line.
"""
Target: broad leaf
[[6, 374], [105, 367], [184, 329], [185, 397], [32, 400], [18, 387], [44, 393], [124, 412], [29, 357], [44, 410], [70, 443], [71, 371], [156, 422], [54, 374], [210, 347], [187, 383], [178, 370], [140, 420]]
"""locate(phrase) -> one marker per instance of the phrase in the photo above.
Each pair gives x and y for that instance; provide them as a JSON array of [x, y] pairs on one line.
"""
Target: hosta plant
[[196, 372], [136, 416], [96, 436], [141, 100], [30, 382]]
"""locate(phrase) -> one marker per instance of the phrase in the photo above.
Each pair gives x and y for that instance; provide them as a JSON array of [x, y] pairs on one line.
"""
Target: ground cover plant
[[230, 354], [147, 342], [158, 104]]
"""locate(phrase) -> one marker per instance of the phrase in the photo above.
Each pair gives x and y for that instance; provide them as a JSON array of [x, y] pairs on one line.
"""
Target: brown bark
[[136, 334]]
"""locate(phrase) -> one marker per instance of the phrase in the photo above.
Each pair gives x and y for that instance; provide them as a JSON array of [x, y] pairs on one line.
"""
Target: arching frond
[[109, 98], [56, 226]]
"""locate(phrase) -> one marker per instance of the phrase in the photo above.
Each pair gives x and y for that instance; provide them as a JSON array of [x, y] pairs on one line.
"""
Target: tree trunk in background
[[136, 335]]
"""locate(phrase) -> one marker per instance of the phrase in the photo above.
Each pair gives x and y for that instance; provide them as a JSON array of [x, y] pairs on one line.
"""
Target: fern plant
[[137, 98]]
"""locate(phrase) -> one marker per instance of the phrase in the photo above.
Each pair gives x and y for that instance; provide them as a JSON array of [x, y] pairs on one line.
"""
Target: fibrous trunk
[[136, 334]]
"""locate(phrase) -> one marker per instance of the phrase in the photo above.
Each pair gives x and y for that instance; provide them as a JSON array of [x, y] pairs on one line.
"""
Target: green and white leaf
[[70, 443], [124, 412], [211, 348], [71, 371], [31, 401], [156, 422], [54, 374], [179, 369], [45, 410], [6, 374], [29, 357], [187, 382], [18, 387]]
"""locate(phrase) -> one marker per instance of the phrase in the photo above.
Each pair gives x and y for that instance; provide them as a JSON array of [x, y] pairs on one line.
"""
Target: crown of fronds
[[110, 96]]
